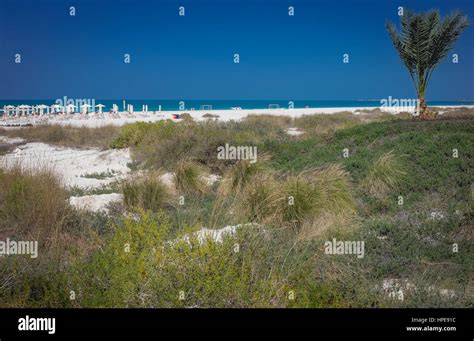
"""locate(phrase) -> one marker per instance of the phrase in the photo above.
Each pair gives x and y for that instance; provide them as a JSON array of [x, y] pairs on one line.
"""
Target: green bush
[[163, 144], [32, 203], [146, 192], [188, 177]]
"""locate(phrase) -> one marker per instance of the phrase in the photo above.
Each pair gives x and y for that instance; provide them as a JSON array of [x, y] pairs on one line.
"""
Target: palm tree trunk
[[422, 107]]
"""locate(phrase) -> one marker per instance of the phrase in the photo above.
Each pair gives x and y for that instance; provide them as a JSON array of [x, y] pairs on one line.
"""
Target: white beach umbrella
[[56, 108], [100, 106], [84, 108], [41, 108], [70, 108], [9, 108], [24, 109]]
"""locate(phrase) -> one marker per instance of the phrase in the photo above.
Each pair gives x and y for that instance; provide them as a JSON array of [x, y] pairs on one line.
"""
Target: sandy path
[[85, 168]]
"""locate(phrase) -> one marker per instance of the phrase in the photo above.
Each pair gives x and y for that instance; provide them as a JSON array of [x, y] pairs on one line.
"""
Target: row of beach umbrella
[[25, 110], [55, 108]]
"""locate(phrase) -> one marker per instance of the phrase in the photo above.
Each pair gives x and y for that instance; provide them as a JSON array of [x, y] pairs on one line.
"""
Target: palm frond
[[446, 35], [424, 40]]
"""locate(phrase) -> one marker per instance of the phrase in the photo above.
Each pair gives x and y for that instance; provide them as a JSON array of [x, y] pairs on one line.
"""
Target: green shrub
[[131, 135], [237, 177], [146, 192], [163, 144], [321, 199], [188, 177], [32, 203], [66, 136], [259, 200]]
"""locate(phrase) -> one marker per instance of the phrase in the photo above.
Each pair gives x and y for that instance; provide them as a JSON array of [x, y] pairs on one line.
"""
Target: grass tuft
[[188, 178], [385, 173], [147, 192], [237, 177], [32, 203], [259, 200], [65, 136]]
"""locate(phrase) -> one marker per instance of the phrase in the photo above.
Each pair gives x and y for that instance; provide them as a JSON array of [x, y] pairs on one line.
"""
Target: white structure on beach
[[41, 108], [70, 108], [101, 107], [56, 108], [85, 108], [23, 110], [8, 109]]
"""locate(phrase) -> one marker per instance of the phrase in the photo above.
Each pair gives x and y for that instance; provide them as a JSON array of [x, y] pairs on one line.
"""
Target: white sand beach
[[121, 118], [83, 168], [95, 120]]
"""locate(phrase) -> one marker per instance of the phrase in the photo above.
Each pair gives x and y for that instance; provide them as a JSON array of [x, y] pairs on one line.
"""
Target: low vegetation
[[65, 136], [384, 176], [404, 187], [189, 177], [146, 192]]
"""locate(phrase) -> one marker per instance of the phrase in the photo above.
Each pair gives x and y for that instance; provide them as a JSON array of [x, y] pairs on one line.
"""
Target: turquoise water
[[175, 105]]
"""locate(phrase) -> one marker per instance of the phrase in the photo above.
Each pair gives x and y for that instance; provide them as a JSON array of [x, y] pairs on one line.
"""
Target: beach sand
[[121, 118], [98, 120], [83, 168]]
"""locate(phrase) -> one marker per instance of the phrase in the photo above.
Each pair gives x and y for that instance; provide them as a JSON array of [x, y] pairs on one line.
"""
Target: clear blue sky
[[191, 57]]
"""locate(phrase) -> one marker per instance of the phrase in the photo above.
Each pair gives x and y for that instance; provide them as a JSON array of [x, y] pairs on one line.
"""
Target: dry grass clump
[[299, 198], [259, 200], [385, 174], [332, 185], [236, 177], [332, 204], [269, 121], [146, 192], [404, 115], [321, 124], [299, 201], [450, 113], [325, 221], [186, 117], [378, 115], [234, 180], [163, 144], [32, 204], [188, 177], [74, 137]]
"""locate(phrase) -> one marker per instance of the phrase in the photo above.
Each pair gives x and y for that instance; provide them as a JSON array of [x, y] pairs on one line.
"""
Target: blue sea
[[179, 105]]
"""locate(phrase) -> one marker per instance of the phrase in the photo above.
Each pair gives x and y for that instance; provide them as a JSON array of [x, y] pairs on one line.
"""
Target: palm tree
[[422, 43]]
